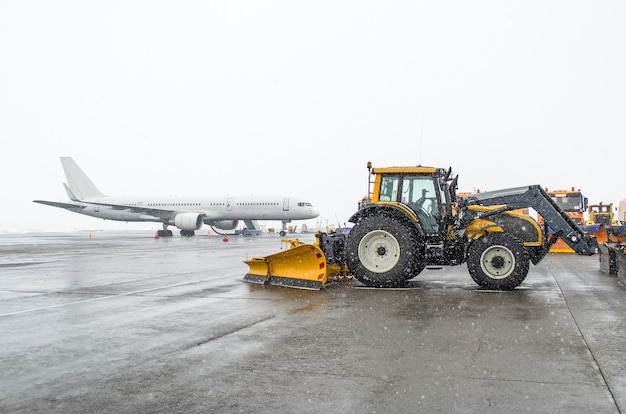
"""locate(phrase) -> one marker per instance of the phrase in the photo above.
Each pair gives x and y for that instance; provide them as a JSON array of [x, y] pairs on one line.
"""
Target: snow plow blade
[[598, 231], [303, 266]]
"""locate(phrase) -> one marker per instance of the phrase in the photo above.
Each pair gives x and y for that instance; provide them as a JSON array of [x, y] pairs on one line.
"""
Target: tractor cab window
[[415, 191], [389, 188], [419, 193]]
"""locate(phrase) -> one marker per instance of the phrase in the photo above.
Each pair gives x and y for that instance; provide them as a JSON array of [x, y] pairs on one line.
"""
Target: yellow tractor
[[412, 219]]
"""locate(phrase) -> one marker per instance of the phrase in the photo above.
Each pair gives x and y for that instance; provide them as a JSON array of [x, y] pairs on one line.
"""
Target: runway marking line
[[99, 298]]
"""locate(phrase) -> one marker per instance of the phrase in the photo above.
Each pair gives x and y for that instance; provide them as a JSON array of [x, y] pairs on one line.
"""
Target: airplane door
[[285, 204], [229, 204]]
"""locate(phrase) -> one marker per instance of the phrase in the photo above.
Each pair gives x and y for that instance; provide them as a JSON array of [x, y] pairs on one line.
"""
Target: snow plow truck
[[412, 219]]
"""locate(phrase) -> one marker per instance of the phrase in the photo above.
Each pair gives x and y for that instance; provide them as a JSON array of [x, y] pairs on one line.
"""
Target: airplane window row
[[211, 204], [173, 204]]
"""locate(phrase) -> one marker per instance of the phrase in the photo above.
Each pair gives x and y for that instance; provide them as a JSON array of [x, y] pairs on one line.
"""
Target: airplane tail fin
[[79, 186]]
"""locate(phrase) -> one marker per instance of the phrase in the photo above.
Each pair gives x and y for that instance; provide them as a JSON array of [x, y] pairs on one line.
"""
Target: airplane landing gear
[[165, 232], [283, 231], [187, 233]]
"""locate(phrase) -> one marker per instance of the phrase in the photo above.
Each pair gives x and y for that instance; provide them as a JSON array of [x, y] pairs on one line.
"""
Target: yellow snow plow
[[307, 261]]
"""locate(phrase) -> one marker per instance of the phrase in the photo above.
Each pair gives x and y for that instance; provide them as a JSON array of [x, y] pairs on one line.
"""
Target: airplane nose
[[315, 212]]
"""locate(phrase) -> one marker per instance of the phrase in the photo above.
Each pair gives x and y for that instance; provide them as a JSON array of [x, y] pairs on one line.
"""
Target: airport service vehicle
[[413, 219], [603, 225], [574, 204], [613, 259], [601, 214], [612, 240]]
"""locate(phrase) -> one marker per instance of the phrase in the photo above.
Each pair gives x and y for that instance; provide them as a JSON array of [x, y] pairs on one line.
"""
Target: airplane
[[186, 213]]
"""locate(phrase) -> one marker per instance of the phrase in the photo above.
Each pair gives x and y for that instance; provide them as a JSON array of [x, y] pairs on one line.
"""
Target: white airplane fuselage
[[213, 208]]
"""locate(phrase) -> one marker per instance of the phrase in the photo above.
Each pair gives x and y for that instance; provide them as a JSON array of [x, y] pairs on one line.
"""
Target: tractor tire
[[383, 252], [498, 261]]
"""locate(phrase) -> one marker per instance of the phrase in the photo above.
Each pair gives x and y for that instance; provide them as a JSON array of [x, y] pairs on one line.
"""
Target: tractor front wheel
[[498, 261]]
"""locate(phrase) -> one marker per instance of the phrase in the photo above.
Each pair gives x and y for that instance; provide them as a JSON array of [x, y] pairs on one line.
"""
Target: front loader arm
[[535, 197]]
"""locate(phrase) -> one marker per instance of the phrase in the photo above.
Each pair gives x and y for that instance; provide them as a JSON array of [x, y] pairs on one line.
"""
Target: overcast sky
[[241, 97]]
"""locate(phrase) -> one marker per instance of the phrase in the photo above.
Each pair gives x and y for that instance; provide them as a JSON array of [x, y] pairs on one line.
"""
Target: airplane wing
[[160, 213], [68, 206]]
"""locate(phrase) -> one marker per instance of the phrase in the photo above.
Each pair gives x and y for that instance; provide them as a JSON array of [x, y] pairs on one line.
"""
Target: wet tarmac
[[122, 322]]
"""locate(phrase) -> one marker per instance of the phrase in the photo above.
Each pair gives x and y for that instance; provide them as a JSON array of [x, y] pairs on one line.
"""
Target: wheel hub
[[497, 262], [379, 251]]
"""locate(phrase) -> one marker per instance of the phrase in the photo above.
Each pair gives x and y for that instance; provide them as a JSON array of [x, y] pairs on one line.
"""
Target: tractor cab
[[416, 190]]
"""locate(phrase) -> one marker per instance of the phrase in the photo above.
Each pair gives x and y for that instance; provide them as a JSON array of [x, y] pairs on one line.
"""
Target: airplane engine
[[188, 221], [224, 224]]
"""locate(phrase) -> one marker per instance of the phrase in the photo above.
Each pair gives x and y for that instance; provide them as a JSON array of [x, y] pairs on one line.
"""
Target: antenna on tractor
[[421, 141]]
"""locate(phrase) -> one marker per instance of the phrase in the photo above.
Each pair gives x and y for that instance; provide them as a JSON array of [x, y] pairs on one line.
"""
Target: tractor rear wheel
[[383, 252], [498, 261]]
